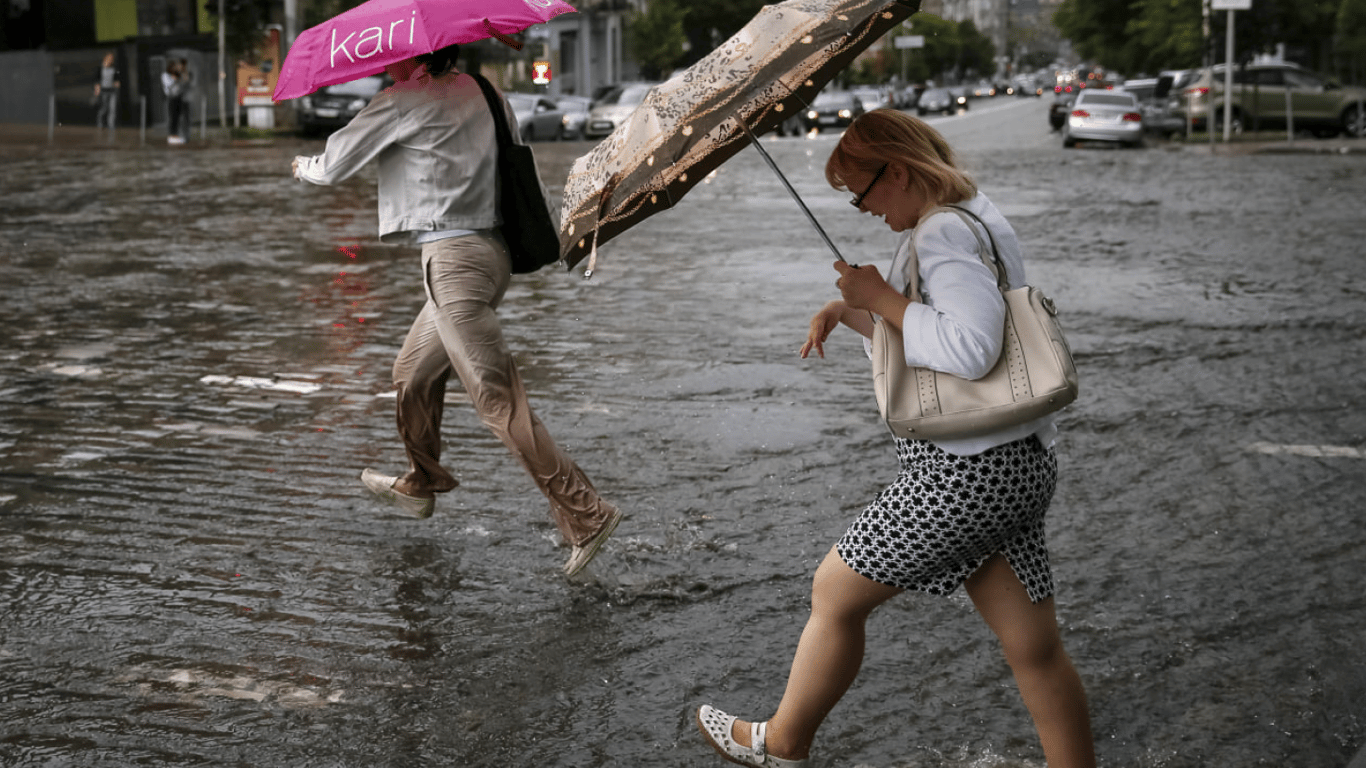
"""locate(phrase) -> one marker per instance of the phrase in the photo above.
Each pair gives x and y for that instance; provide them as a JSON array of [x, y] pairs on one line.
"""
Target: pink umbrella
[[367, 38]]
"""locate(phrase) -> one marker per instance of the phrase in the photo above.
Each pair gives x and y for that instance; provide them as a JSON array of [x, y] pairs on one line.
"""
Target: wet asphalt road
[[195, 369]]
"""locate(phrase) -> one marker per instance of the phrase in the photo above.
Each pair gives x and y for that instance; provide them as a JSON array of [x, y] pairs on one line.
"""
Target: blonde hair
[[886, 136]]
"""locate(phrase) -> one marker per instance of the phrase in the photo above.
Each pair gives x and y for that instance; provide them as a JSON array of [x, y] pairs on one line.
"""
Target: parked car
[[575, 110], [941, 100], [1154, 102], [1259, 98], [333, 106], [538, 118], [832, 109], [613, 107], [1104, 115]]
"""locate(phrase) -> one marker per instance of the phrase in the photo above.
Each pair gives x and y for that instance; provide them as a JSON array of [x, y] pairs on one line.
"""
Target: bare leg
[[827, 660], [1048, 682]]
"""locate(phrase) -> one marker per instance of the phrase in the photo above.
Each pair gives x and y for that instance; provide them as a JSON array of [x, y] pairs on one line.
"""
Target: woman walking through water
[[962, 511], [432, 134]]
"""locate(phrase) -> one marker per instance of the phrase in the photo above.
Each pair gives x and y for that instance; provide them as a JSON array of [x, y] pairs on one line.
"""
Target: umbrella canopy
[[689, 125], [369, 37]]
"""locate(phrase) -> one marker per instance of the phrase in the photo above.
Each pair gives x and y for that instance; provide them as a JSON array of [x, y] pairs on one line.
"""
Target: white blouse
[[959, 325]]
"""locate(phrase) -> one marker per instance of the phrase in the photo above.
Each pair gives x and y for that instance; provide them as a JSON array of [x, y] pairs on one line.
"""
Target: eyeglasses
[[857, 202]]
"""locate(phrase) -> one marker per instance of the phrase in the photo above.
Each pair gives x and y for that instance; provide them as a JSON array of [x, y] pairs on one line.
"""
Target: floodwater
[[195, 369]]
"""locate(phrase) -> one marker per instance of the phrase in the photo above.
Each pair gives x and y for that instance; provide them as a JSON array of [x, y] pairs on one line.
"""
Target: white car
[[1100, 115], [613, 108]]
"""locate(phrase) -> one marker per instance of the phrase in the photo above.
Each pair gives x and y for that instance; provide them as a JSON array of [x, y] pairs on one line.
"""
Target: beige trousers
[[465, 279]]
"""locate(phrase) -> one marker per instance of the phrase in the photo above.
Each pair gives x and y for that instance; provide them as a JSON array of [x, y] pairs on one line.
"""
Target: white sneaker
[[383, 486], [584, 553]]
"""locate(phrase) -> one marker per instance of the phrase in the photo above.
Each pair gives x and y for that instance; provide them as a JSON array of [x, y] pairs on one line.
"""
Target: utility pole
[[222, 67]]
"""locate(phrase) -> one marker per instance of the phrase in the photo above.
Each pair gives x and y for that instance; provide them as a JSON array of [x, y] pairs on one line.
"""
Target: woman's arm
[[961, 329], [831, 315], [373, 129]]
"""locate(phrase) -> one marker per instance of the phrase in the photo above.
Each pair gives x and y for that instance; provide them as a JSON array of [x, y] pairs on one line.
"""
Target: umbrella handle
[[809, 216]]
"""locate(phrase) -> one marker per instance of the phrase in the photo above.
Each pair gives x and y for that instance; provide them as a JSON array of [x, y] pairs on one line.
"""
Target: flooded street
[[195, 368]]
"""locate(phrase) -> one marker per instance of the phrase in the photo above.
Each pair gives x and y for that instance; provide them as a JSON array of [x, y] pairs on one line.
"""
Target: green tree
[[656, 38], [1168, 37], [244, 21], [942, 49], [1350, 39], [1098, 29], [977, 53], [708, 23]]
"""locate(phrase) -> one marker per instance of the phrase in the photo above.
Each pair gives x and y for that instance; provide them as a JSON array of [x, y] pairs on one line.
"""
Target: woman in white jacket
[[962, 512], [433, 136]]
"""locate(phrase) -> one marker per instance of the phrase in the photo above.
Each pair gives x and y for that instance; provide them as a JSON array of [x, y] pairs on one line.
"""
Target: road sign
[[1230, 5], [914, 41]]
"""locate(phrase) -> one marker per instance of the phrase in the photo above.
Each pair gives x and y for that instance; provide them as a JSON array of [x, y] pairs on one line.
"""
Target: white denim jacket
[[437, 150]]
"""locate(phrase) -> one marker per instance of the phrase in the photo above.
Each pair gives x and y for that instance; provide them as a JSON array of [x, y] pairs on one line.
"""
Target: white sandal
[[715, 726]]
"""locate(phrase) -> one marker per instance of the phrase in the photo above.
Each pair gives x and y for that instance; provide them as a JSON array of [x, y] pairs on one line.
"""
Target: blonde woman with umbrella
[[967, 511]]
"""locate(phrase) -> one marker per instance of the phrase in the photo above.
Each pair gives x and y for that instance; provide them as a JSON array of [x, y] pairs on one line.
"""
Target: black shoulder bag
[[530, 231]]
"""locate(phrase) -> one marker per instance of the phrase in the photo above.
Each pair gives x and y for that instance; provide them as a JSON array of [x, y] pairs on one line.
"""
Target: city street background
[[195, 368]]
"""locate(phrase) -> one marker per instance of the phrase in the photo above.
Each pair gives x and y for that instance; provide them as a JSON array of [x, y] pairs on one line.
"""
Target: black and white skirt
[[944, 515]]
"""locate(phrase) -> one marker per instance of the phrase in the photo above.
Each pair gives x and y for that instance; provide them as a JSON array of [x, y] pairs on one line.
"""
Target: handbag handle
[[500, 118], [995, 263]]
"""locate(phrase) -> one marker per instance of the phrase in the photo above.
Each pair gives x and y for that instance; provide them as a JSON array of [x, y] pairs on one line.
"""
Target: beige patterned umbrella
[[691, 124]]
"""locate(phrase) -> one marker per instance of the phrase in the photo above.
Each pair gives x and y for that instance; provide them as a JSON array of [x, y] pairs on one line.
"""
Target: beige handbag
[[1034, 376]]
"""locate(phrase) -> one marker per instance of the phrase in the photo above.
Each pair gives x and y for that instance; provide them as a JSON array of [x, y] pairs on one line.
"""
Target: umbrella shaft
[[809, 216]]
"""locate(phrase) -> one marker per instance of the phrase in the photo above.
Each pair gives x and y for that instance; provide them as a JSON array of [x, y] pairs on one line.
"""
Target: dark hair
[[440, 61]]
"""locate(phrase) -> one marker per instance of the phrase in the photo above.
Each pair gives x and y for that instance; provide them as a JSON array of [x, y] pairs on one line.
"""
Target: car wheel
[[1068, 142], [1352, 123]]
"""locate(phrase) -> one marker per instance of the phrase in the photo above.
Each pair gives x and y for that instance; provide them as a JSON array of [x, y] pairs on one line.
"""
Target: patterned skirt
[[944, 515]]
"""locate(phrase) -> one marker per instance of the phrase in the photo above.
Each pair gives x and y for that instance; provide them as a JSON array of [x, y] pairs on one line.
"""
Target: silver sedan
[[1099, 115]]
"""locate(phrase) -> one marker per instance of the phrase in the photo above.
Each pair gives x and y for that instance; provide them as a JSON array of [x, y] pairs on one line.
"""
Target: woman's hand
[[864, 288], [860, 286], [821, 325]]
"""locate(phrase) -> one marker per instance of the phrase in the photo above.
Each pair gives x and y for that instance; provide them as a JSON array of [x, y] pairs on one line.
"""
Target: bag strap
[[500, 118], [995, 264]]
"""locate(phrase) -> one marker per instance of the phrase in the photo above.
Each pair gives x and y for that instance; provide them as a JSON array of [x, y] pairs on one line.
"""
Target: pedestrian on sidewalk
[[960, 512], [107, 84], [174, 84], [433, 136]]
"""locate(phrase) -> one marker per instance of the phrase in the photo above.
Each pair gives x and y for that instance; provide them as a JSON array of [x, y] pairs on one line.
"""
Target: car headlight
[[846, 113], [356, 105], [306, 102]]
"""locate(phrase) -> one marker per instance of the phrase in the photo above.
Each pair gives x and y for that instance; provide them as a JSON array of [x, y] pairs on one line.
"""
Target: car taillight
[[1080, 113], [1133, 117]]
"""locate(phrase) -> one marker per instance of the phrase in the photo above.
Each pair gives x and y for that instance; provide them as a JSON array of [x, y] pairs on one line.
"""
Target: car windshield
[[1108, 99], [365, 87], [935, 93], [626, 96]]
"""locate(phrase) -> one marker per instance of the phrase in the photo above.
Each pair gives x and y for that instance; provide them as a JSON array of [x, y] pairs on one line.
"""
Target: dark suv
[[1259, 100]]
